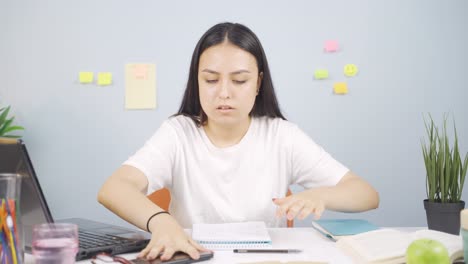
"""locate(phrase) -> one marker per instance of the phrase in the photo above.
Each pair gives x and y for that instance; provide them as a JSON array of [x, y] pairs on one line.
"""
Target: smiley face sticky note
[[350, 70], [331, 46], [321, 74], [104, 78], [340, 88], [86, 77]]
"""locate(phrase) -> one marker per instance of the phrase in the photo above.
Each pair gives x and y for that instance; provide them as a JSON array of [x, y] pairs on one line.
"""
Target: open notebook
[[230, 236], [388, 246]]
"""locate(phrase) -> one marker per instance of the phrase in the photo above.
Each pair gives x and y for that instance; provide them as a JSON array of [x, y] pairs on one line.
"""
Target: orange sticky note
[[340, 88], [331, 46], [140, 71]]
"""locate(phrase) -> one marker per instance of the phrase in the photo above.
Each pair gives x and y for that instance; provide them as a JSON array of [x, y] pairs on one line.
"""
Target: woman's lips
[[225, 108]]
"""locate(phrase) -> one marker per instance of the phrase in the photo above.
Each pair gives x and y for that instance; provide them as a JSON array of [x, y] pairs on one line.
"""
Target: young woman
[[228, 155]]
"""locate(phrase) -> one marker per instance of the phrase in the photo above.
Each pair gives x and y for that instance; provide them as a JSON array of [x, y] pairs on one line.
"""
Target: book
[[336, 229], [228, 236], [388, 246], [287, 262]]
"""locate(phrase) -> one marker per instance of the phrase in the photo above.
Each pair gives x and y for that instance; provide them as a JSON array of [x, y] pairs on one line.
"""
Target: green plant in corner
[[6, 124], [445, 169]]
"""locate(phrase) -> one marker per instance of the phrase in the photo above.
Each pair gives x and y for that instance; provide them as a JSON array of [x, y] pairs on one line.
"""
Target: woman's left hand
[[300, 205]]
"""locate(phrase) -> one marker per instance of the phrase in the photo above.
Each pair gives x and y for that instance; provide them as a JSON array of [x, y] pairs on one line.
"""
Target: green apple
[[427, 251]]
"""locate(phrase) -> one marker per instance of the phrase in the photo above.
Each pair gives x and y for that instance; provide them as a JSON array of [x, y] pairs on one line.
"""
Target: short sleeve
[[312, 165], [155, 158]]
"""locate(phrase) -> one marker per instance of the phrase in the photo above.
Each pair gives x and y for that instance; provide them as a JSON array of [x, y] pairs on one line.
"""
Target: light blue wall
[[412, 57]]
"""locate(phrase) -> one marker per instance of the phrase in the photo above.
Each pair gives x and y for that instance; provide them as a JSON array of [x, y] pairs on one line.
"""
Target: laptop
[[94, 237]]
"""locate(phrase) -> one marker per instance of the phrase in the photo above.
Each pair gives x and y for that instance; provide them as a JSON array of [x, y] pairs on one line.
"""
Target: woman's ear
[[259, 82]]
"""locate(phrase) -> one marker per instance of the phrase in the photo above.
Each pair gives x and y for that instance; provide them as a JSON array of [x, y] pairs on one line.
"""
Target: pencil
[[267, 251]]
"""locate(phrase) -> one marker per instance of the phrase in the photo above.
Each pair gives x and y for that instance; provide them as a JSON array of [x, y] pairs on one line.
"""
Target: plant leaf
[[5, 126], [4, 114], [11, 136], [13, 128], [462, 175]]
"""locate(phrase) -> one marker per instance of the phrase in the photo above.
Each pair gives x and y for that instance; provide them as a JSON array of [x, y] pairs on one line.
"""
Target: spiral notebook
[[230, 236]]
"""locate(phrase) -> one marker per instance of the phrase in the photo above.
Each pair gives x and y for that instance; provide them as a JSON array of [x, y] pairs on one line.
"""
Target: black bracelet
[[151, 217]]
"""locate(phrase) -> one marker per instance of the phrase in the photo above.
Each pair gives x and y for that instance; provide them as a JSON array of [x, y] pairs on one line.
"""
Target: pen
[[325, 234], [267, 251]]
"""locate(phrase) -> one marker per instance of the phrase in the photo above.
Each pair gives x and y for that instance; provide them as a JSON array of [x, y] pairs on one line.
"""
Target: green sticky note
[[86, 77], [321, 74], [104, 78]]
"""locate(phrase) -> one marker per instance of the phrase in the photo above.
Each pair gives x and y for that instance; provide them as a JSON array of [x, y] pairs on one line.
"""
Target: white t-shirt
[[216, 185]]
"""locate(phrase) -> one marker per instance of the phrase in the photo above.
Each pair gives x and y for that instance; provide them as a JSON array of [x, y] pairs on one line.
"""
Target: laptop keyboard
[[93, 240]]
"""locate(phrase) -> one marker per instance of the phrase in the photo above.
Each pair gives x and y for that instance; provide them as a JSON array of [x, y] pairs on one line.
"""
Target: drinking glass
[[55, 243]]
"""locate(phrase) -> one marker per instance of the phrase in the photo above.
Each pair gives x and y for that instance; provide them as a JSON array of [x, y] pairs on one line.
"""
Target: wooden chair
[[162, 198], [289, 223]]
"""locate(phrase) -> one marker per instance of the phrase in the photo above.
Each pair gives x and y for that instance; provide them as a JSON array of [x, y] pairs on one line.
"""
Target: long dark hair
[[265, 104]]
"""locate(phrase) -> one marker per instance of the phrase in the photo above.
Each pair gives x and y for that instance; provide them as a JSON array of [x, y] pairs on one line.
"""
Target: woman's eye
[[239, 82], [211, 81]]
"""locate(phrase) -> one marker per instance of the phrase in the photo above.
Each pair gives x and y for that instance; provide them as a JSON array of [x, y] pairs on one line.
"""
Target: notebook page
[[379, 245], [453, 243], [232, 235]]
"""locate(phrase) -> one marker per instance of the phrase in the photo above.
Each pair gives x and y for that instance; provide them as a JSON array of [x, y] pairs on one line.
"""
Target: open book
[[230, 236], [288, 262], [336, 229], [388, 246]]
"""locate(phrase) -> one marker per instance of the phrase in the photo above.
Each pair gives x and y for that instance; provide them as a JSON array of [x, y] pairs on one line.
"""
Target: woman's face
[[228, 81]]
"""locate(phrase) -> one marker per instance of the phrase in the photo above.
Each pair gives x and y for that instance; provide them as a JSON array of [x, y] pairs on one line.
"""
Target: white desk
[[315, 248]]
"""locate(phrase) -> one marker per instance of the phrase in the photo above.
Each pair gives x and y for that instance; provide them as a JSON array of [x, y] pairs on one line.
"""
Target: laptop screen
[[14, 158]]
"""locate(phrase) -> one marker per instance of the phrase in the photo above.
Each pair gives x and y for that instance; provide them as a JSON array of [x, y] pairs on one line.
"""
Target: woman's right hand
[[168, 237]]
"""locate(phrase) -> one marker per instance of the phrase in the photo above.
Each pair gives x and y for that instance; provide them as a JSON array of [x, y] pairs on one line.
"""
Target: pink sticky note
[[331, 46], [141, 71]]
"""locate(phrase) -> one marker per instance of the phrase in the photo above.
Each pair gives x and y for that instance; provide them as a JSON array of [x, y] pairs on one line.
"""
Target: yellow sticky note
[[140, 86], [86, 77], [350, 70], [321, 74], [340, 88], [104, 78]]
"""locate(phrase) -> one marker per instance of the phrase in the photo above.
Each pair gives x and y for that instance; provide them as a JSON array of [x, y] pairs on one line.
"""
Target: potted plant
[[6, 124], [445, 177]]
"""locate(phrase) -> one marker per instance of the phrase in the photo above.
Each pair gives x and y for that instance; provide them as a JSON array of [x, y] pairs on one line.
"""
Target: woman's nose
[[225, 90]]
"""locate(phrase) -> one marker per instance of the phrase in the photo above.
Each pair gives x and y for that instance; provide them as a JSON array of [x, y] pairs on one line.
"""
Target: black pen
[[267, 251]]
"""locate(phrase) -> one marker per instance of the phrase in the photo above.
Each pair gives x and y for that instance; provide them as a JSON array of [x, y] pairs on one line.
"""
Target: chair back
[[162, 198]]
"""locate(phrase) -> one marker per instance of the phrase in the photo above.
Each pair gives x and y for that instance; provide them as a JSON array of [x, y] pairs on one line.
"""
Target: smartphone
[[178, 258]]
